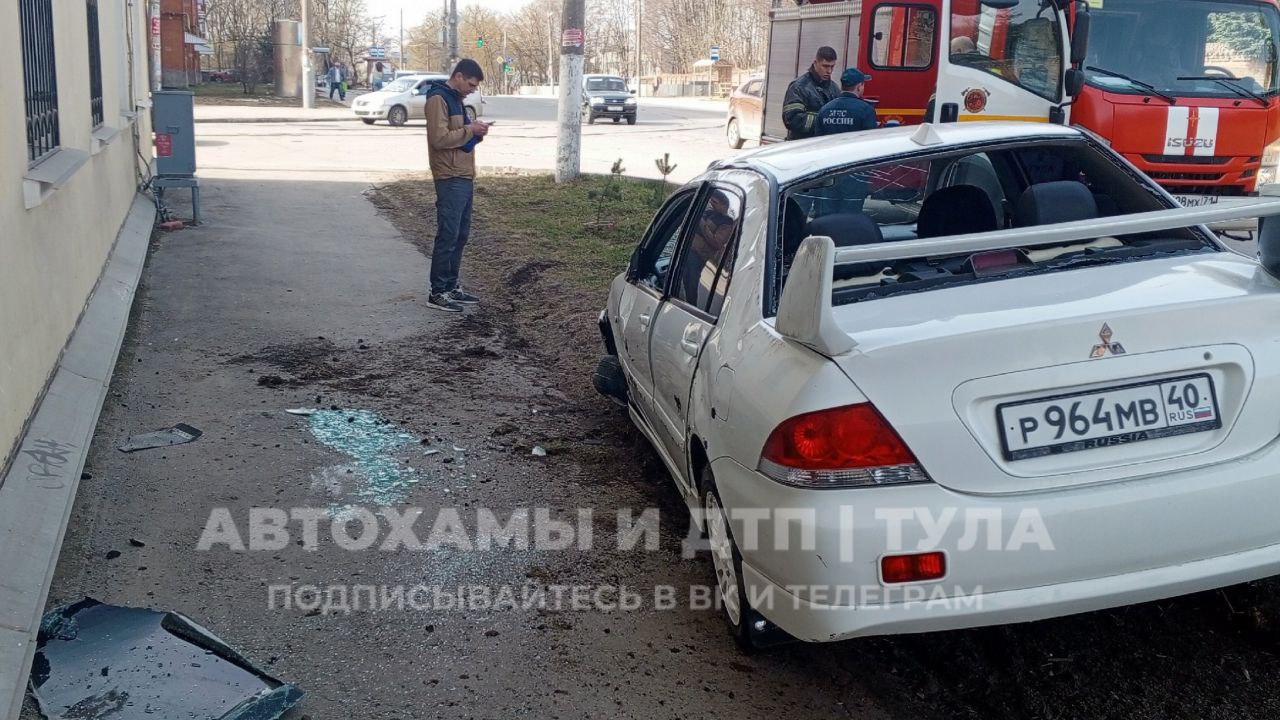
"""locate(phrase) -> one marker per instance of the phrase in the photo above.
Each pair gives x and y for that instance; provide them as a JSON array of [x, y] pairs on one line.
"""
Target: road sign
[[377, 52], [571, 37], [715, 52]]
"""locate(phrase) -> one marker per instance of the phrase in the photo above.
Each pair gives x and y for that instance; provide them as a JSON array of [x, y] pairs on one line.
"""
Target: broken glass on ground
[[176, 435], [369, 441], [103, 661]]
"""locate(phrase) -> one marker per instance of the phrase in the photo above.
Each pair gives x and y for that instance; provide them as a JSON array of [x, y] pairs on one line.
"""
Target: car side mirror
[[1074, 82]]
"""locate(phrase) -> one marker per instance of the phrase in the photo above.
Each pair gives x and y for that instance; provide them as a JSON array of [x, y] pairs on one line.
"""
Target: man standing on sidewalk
[[451, 141], [848, 112]]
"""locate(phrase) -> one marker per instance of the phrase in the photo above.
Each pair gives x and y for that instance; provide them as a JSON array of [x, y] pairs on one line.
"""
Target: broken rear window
[[976, 190]]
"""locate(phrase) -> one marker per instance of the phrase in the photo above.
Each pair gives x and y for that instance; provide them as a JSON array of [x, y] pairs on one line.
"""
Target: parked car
[[232, 75], [746, 112], [606, 96], [992, 372], [404, 99]]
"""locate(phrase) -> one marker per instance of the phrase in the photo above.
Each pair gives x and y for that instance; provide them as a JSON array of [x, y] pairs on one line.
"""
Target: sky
[[415, 10]]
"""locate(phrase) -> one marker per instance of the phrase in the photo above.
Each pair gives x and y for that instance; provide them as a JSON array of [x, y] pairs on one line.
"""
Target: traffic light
[[480, 41]]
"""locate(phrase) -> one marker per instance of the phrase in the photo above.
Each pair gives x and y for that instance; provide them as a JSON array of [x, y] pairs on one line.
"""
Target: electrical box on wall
[[173, 119]]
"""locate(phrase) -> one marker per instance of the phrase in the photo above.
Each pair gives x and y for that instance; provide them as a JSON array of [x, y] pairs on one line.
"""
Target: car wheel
[[470, 113], [617, 120], [591, 119], [631, 119], [397, 116], [368, 121], [750, 630], [734, 135]]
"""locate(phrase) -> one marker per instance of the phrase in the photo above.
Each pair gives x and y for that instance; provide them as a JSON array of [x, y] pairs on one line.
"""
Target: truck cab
[[1187, 91]]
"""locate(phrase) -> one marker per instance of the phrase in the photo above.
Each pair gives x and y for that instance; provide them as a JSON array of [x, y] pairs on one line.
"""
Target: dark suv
[[606, 96]]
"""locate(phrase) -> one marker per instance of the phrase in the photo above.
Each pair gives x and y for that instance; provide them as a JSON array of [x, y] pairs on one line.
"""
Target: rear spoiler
[[1114, 226], [805, 311]]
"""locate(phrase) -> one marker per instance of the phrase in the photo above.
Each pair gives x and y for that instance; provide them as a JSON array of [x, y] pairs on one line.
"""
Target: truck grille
[[1187, 159], [1190, 177]]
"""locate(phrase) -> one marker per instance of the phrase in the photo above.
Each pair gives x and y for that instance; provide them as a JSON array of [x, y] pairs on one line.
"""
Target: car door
[[753, 110], [689, 313], [418, 100], [641, 295]]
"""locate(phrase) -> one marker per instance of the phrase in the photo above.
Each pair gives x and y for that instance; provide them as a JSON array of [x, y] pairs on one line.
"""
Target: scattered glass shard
[[176, 435]]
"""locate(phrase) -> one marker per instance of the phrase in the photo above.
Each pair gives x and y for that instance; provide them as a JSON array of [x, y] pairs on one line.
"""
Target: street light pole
[[569, 138], [639, 44], [308, 78]]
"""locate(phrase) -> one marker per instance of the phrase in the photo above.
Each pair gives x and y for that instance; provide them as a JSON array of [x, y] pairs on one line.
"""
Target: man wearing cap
[[848, 112]]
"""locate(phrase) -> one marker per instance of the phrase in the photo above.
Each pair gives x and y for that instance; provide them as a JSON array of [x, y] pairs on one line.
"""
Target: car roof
[[602, 75], [795, 159]]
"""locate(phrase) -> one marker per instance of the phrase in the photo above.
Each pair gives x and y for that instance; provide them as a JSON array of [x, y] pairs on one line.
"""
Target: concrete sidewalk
[[270, 114]]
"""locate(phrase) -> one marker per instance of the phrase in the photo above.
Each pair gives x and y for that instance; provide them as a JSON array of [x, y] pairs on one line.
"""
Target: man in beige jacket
[[451, 141]]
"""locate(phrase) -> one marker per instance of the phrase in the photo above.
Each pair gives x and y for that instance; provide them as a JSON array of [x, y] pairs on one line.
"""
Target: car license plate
[[1103, 418], [615, 108], [1196, 200]]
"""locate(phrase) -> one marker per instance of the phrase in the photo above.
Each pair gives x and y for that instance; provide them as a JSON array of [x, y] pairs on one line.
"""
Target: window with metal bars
[[95, 64], [39, 77]]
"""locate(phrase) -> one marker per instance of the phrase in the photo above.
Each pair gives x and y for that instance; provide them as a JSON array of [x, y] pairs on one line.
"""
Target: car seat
[[956, 210], [1055, 202]]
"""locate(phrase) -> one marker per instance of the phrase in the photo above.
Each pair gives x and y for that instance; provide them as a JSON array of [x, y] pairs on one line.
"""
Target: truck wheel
[[734, 134]]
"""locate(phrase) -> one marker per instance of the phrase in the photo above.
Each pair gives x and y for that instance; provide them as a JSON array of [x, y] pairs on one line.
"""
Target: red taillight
[[843, 438], [913, 568]]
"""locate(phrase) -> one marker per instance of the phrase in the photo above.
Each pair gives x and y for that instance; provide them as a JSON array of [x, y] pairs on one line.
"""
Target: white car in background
[[404, 99], [929, 378]]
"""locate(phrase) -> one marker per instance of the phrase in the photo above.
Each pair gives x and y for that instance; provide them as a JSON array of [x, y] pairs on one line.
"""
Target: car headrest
[[793, 224], [846, 229], [1055, 202], [956, 210]]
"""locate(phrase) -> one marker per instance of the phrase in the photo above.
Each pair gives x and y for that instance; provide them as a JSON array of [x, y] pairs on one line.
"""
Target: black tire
[[617, 120], [733, 134], [470, 112], [591, 119], [368, 121], [631, 119], [751, 631], [397, 116]]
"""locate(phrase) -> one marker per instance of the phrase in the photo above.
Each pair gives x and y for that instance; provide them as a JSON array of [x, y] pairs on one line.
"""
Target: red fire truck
[[1188, 90]]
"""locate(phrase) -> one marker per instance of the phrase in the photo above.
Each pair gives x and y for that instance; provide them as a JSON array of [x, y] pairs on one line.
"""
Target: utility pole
[[502, 65], [453, 34], [153, 17], [402, 38], [569, 138], [551, 52], [639, 44], [308, 78]]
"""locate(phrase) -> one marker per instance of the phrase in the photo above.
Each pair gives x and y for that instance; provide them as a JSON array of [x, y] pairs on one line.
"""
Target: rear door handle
[[644, 321], [692, 340]]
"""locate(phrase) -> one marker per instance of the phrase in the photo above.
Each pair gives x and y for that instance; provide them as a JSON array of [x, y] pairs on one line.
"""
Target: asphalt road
[[690, 131]]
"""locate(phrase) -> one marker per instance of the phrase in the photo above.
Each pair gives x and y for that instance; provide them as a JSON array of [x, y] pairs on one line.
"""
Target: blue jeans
[[453, 226]]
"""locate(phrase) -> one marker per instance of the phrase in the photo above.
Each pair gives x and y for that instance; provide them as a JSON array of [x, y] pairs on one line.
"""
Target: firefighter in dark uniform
[[807, 94], [848, 112]]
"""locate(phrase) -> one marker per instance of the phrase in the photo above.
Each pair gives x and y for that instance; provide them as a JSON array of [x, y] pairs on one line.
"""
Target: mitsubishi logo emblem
[[1107, 347]]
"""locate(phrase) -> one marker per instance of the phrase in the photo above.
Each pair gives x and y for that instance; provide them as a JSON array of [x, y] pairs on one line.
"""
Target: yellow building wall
[[51, 255]]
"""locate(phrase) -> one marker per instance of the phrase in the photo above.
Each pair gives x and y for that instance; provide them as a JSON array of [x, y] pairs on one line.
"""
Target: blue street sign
[[715, 52]]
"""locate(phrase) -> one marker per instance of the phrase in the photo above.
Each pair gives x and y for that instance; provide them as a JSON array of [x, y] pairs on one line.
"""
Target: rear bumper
[[1010, 558], [822, 623]]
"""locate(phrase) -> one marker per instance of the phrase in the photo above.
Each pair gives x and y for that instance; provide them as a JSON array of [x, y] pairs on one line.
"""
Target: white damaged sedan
[[928, 378]]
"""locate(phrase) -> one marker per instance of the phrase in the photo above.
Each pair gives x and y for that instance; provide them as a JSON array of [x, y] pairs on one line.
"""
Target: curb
[[39, 490]]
